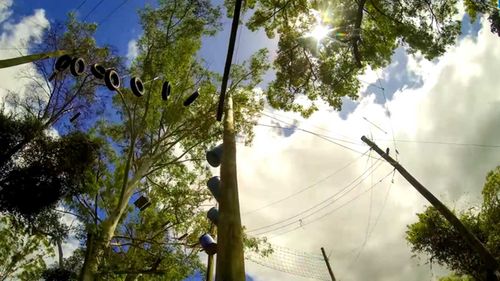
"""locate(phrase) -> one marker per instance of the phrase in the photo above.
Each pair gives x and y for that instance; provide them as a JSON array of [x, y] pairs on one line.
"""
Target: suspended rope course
[[292, 262]]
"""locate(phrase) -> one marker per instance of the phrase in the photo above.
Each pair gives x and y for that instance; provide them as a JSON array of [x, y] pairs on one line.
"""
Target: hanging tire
[[137, 86], [165, 90], [98, 71], [77, 67], [75, 117], [191, 98], [62, 63], [112, 80]]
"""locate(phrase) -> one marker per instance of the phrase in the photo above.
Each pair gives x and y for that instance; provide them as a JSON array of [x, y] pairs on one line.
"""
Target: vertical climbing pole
[[230, 258]]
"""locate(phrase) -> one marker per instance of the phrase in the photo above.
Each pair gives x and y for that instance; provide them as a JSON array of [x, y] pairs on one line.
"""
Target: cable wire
[[113, 11], [334, 210], [376, 220], [299, 215], [93, 9], [307, 187], [81, 4]]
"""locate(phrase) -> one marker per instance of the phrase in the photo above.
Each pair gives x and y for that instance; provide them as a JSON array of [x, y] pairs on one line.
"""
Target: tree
[[454, 277], [37, 170], [47, 102], [44, 172], [157, 149], [32, 184], [487, 7], [433, 235], [21, 253], [362, 33]]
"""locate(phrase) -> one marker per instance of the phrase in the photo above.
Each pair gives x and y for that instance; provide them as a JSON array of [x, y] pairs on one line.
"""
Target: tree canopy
[[434, 236], [361, 34], [45, 171]]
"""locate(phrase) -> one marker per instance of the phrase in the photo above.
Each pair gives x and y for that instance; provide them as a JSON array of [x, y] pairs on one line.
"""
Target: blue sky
[[453, 99]]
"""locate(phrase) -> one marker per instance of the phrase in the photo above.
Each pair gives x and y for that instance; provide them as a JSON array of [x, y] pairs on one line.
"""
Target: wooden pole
[[230, 260], [229, 57], [31, 58], [327, 264], [488, 259]]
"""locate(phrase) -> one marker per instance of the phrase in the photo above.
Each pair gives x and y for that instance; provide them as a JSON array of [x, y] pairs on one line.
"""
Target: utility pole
[[31, 58], [327, 264], [488, 259], [210, 262], [230, 259]]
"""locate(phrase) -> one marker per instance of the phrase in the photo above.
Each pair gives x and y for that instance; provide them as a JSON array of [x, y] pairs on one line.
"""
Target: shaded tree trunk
[[95, 253]]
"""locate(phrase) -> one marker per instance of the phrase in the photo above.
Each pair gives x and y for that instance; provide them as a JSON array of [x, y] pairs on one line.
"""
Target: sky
[[442, 117]]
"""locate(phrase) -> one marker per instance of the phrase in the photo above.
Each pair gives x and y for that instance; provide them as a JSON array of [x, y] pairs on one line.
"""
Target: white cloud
[[5, 11], [132, 50], [457, 103], [14, 41]]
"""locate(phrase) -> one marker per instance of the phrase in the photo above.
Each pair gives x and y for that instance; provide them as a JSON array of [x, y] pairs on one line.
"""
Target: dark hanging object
[[214, 156], [213, 215], [77, 67], [142, 203], [74, 117], [112, 80], [191, 98], [214, 187], [98, 71], [208, 244], [165, 90], [61, 64], [137, 86]]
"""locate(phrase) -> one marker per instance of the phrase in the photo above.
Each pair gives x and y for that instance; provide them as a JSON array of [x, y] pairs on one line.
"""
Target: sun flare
[[319, 32]]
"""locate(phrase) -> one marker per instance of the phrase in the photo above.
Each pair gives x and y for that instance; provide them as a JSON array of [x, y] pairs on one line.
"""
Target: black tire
[[62, 63], [112, 80], [77, 67], [98, 71], [191, 98], [75, 117], [137, 86], [165, 90]]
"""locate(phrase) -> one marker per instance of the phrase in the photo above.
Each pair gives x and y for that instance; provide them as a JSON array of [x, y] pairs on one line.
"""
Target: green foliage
[[68, 272], [433, 235], [21, 253], [157, 149], [487, 7], [364, 33], [456, 278], [45, 171]]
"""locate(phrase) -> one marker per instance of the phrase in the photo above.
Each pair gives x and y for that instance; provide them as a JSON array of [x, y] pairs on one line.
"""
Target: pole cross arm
[[31, 58], [488, 259]]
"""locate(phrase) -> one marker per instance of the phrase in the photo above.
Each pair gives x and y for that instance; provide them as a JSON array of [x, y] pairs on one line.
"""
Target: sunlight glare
[[319, 32]]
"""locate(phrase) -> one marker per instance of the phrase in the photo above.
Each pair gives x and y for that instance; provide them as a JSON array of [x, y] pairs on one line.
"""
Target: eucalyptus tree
[[53, 96], [156, 149]]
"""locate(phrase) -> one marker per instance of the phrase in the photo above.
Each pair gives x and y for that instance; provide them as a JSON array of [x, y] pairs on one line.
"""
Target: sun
[[319, 32]]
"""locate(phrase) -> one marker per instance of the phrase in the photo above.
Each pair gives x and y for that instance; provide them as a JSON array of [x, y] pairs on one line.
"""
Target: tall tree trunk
[[94, 255], [60, 252]]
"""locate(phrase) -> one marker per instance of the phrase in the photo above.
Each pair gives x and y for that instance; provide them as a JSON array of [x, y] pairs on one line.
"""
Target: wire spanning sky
[[443, 118]]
